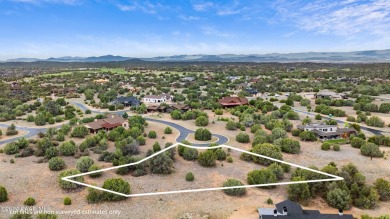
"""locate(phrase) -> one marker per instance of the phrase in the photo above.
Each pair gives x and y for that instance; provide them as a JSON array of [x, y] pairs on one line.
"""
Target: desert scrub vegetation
[[234, 191], [56, 163], [190, 177], [207, 158], [68, 185], [3, 194], [202, 134], [67, 201], [84, 163]]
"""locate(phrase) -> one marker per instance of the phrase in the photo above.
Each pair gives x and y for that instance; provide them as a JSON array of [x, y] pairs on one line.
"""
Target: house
[[101, 81], [324, 132], [290, 210], [233, 78], [162, 98], [328, 94], [252, 92], [127, 101], [182, 107], [107, 124], [233, 101], [128, 87], [254, 80], [63, 91], [242, 85], [188, 79]]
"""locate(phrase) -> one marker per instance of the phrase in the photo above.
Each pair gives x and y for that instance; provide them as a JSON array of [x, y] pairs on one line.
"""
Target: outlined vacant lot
[[331, 177]]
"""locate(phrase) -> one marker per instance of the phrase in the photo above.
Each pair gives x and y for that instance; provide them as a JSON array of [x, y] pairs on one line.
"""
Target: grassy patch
[[337, 141]]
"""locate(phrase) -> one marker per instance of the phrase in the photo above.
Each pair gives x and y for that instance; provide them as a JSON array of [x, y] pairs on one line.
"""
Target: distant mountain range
[[358, 56]]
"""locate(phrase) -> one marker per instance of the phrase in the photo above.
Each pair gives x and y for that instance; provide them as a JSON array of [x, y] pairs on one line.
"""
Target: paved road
[[30, 133], [184, 132]]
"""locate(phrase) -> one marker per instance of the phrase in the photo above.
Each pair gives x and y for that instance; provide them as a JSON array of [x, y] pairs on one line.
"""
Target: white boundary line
[[333, 177]]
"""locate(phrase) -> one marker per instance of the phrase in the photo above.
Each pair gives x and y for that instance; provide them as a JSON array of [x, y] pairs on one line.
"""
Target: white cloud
[[202, 6], [144, 6], [212, 31], [189, 17]]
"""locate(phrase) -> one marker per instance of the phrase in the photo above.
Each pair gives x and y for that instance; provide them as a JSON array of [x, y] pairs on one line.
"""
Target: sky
[[146, 28]]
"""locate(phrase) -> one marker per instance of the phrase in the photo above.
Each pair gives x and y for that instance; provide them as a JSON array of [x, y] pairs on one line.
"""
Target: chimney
[[95, 120], [284, 210], [275, 212], [341, 212]]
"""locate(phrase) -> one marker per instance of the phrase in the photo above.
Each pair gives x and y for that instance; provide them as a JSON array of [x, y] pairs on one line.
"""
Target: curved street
[[183, 132]]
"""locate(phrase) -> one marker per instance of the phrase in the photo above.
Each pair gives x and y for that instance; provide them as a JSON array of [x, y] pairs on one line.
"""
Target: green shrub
[[56, 163], [21, 215], [152, 134], [242, 137], [357, 142], [375, 121], [11, 148], [229, 159], [83, 163], [67, 201], [116, 185], [230, 125], [190, 153], [141, 140], [288, 145], [3, 194], [51, 152], [263, 176], [383, 188], [298, 192], [94, 196], [207, 158], [218, 112], [190, 177], [325, 146], [80, 132], [339, 198], [161, 164], [371, 150], [307, 136], [68, 149], [296, 132], [168, 130], [269, 201], [156, 147], [202, 121], [336, 147], [68, 185], [202, 134], [220, 154], [94, 167], [29, 201], [234, 191], [47, 216], [277, 169], [268, 150]]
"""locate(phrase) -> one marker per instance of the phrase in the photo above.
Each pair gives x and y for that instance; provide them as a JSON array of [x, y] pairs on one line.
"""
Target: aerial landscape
[[195, 109]]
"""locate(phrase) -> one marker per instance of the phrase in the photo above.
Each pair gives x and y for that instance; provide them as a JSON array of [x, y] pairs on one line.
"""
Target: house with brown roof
[[233, 101], [107, 124]]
